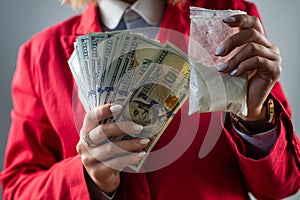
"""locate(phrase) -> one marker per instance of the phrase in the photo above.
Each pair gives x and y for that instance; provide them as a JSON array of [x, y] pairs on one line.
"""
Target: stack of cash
[[149, 79]]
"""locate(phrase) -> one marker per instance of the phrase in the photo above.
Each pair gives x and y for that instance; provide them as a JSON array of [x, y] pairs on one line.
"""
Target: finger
[[86, 158], [109, 149], [104, 131], [100, 113], [244, 37], [248, 51], [269, 70], [122, 162], [244, 22], [90, 156]]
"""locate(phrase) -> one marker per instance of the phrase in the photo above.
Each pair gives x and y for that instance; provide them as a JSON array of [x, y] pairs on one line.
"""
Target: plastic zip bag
[[210, 90]]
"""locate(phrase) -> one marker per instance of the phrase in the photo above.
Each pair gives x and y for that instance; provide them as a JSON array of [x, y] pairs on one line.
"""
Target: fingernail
[[234, 72], [137, 127], [115, 108], [220, 51], [144, 141], [229, 20], [222, 67], [141, 154]]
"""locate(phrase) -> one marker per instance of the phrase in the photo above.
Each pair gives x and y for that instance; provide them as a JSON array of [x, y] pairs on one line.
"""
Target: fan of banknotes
[[149, 79]]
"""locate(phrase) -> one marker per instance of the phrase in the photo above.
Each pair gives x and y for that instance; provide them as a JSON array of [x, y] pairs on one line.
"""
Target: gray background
[[19, 20]]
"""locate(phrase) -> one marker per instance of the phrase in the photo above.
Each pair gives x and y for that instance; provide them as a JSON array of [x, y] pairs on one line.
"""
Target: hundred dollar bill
[[125, 67], [142, 52], [116, 68], [76, 72], [157, 98], [107, 55], [84, 55], [96, 68]]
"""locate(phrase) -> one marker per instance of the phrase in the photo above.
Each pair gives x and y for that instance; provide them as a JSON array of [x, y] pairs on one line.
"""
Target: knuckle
[[276, 49], [258, 60], [99, 130], [98, 112], [278, 70], [279, 59], [276, 75], [253, 33], [243, 20], [255, 20], [85, 160], [82, 133], [251, 47], [79, 147]]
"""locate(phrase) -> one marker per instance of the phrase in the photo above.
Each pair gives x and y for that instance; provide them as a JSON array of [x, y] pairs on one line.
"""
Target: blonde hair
[[78, 4]]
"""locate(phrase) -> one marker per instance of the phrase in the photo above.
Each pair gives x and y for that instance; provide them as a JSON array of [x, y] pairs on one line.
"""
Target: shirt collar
[[111, 11]]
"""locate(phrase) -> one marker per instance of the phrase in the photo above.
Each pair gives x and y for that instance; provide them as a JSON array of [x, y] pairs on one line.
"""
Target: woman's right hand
[[103, 159]]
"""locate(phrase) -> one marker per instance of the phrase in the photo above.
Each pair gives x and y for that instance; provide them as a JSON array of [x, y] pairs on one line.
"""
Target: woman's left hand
[[258, 57]]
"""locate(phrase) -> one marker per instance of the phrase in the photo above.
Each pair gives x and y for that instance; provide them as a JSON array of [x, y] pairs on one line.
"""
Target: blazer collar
[[112, 11], [90, 20]]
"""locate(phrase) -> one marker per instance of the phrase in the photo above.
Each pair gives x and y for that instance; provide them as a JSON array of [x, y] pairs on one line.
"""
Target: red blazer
[[41, 161]]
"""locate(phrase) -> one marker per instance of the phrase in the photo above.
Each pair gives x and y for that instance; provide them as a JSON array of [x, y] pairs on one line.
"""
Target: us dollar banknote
[[149, 79]]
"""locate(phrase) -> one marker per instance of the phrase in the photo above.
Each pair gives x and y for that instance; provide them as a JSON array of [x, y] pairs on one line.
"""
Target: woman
[[46, 159]]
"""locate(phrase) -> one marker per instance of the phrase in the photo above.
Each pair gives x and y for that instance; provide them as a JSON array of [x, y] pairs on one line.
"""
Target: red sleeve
[[276, 175], [34, 167]]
